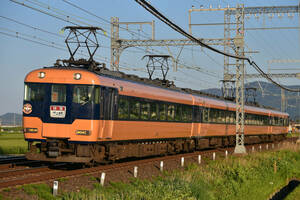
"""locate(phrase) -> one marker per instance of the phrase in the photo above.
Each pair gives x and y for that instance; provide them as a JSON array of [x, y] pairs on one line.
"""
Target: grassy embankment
[[12, 141], [255, 176]]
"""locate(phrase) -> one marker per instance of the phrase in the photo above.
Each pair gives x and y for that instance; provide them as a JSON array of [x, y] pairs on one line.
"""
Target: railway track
[[11, 159], [17, 177]]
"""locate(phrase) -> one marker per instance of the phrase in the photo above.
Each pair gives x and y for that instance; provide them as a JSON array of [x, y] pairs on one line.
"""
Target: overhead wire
[[32, 27], [94, 15], [68, 19], [105, 20], [161, 17], [32, 38]]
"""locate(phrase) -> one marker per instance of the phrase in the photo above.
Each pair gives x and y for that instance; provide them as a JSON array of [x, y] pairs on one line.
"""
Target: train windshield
[[58, 93], [83, 94], [34, 92]]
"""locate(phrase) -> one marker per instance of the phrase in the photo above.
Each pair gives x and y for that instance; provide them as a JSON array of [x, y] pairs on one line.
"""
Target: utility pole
[[114, 50], [239, 83], [283, 101]]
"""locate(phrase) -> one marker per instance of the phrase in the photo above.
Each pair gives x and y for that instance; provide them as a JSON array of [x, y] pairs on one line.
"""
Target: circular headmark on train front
[[27, 108]]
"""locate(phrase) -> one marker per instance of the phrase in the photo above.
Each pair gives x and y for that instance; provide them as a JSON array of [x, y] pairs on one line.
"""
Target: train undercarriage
[[60, 150]]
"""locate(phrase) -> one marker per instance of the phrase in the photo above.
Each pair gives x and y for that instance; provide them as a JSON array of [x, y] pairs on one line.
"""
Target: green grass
[[249, 177], [42, 191], [255, 176], [12, 143], [297, 134]]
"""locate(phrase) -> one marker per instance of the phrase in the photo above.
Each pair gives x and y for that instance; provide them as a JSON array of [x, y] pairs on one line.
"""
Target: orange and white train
[[76, 115]]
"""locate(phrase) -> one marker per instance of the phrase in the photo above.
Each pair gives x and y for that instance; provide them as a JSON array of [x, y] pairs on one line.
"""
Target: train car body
[[76, 115]]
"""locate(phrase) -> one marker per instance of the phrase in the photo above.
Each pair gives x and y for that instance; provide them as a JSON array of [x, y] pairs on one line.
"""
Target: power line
[[94, 15], [68, 19], [30, 40], [161, 17], [29, 26]]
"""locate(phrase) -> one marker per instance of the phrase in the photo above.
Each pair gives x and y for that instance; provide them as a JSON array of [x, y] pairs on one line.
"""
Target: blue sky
[[18, 57]]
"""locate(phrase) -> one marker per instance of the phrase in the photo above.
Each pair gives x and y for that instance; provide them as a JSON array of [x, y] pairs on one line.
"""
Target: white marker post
[[267, 146], [214, 156], [253, 148], [55, 187], [226, 154], [199, 159], [182, 161], [259, 147], [273, 146], [135, 171], [161, 166], [102, 179]]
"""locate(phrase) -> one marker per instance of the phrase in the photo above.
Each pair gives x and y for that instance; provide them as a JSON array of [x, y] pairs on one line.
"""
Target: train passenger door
[[108, 111]]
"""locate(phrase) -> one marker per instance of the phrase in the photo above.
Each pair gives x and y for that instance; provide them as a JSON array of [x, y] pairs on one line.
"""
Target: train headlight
[[30, 130], [77, 76], [41, 74], [83, 132]]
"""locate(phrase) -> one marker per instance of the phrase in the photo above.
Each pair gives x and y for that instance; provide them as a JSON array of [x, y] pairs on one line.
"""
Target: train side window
[[186, 113], [153, 111], [134, 109], [246, 118], [178, 112], [205, 115], [234, 117], [145, 111], [227, 118], [221, 116], [231, 117], [266, 120], [171, 112], [123, 108], [213, 115], [162, 112]]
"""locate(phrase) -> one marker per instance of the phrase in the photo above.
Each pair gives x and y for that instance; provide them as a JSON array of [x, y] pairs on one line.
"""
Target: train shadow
[[286, 190]]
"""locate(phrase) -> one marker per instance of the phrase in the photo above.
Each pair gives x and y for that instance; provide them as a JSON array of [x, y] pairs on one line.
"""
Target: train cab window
[[153, 111], [97, 95], [83, 94], [123, 108], [162, 112], [171, 112], [145, 111], [58, 93], [34, 92]]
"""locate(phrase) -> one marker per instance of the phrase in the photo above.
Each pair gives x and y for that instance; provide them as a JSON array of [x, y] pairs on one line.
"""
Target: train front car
[[61, 108]]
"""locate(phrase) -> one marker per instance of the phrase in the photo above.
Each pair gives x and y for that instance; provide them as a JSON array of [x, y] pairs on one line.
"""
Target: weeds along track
[[16, 177]]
